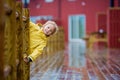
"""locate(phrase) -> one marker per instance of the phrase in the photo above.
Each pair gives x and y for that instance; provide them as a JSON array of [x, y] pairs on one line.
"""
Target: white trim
[[75, 40], [71, 0], [49, 1]]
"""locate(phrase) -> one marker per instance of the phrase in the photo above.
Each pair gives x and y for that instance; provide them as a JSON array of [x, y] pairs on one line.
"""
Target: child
[[38, 39]]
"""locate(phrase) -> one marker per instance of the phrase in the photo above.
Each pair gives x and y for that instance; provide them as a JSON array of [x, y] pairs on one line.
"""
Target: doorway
[[77, 27]]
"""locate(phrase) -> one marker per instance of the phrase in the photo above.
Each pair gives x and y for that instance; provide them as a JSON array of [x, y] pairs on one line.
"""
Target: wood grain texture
[[2, 26], [10, 30], [26, 44], [19, 41]]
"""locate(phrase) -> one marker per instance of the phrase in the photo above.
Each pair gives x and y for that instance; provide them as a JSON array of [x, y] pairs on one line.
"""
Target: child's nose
[[48, 29]]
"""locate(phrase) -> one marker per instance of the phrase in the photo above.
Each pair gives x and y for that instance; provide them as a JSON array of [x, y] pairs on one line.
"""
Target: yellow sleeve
[[38, 51], [32, 25]]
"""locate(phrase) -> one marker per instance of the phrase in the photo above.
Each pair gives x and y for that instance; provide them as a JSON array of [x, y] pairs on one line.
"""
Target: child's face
[[49, 29]]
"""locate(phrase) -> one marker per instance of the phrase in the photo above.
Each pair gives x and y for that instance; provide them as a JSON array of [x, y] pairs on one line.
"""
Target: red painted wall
[[102, 22], [61, 9], [116, 3], [45, 9], [113, 27]]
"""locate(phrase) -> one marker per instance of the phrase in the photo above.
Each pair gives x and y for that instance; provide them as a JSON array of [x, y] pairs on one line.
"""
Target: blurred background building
[[78, 17]]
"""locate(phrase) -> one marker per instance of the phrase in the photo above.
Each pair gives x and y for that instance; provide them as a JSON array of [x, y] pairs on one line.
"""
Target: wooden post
[[2, 26], [19, 41], [10, 31], [26, 45]]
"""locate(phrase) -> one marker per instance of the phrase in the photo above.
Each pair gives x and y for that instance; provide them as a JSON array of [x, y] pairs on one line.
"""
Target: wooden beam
[[2, 26], [26, 44], [19, 41], [10, 51]]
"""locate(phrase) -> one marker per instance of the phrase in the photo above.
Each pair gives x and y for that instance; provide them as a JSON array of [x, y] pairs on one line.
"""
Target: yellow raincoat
[[38, 41]]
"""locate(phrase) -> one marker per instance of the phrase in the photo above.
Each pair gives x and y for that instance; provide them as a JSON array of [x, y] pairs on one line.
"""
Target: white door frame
[[70, 27]]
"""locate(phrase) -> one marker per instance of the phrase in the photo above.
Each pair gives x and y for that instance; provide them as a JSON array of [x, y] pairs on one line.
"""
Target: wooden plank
[[19, 41], [26, 43], [95, 67], [10, 30], [2, 27]]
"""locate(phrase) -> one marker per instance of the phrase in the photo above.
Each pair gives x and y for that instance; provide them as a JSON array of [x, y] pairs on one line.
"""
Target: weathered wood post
[[2, 27], [19, 41], [10, 39], [61, 46], [26, 43]]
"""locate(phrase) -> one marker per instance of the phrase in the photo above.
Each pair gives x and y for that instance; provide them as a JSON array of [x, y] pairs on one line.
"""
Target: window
[[35, 18], [49, 1], [71, 0]]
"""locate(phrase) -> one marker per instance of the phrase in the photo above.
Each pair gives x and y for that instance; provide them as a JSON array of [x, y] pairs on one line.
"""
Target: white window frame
[[70, 28], [49, 1], [71, 0]]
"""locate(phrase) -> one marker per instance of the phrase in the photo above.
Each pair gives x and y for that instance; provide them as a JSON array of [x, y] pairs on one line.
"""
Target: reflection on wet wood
[[100, 65], [2, 27], [104, 65]]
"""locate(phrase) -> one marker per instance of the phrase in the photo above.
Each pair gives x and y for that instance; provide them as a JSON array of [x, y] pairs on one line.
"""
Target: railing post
[[19, 42], [10, 39], [26, 45], [2, 27]]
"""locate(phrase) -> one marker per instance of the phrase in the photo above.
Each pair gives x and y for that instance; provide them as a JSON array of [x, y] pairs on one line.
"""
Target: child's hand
[[24, 18], [26, 59]]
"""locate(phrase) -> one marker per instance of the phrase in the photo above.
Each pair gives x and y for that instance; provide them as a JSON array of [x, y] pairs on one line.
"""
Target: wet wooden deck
[[101, 64]]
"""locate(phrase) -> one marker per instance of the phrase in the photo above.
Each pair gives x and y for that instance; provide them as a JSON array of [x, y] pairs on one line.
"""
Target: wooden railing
[[2, 31], [96, 40], [10, 41], [52, 58], [14, 39]]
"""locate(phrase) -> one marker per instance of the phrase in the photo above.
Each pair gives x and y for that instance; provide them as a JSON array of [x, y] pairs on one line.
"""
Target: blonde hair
[[53, 23]]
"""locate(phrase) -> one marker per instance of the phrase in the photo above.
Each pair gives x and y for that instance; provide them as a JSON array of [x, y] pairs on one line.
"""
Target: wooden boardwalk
[[74, 63], [101, 64]]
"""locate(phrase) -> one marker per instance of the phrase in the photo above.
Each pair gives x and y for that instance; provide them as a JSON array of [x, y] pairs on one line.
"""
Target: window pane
[[49, 1]]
